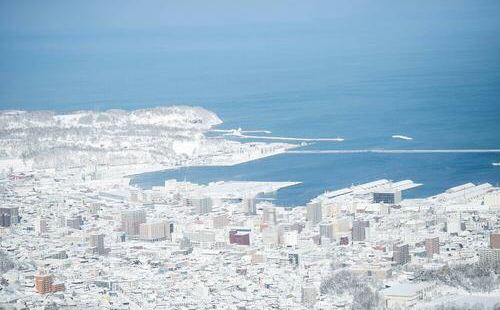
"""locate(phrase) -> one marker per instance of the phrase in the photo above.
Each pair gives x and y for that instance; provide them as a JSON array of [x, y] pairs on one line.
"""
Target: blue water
[[362, 71]]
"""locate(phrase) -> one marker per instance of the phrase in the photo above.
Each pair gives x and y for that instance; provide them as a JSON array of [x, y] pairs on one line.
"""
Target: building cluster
[[68, 242]]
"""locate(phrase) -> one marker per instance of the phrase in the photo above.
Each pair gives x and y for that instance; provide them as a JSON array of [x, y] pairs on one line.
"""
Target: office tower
[[41, 226], [432, 246], [75, 222], [313, 210], [131, 220], [239, 237], [326, 230], [96, 244], [250, 206], [401, 254], [269, 215], [199, 205], [495, 240], [388, 197], [154, 231], [359, 230], [9, 216]]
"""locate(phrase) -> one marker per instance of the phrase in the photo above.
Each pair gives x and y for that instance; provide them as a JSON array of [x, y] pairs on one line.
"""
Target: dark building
[[389, 197], [75, 222], [293, 258], [239, 237], [9, 216], [344, 240], [401, 253], [359, 230]]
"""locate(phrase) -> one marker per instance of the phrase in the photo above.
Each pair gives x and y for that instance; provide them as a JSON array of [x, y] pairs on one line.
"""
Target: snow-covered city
[[75, 234]]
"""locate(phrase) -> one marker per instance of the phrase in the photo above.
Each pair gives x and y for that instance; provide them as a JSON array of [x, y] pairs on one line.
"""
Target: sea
[[430, 72]]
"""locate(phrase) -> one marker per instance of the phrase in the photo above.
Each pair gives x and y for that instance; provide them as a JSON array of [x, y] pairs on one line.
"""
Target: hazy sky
[[87, 17]]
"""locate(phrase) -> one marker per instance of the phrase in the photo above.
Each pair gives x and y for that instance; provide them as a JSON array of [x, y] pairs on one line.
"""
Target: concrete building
[[454, 223], [154, 231], [44, 283], [131, 221], [432, 246], [326, 230], [401, 254], [9, 216], [41, 226], [75, 222], [313, 212], [495, 240], [269, 215], [405, 295], [96, 244], [250, 206], [199, 205], [359, 230], [388, 197], [241, 237], [489, 256], [309, 295]]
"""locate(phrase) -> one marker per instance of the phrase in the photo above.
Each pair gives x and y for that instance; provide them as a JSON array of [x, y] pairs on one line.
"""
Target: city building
[[309, 295], [401, 254], [431, 246], [326, 230], [131, 221], [96, 244], [269, 215], [495, 240], [155, 231], [313, 212], [250, 206], [41, 226], [241, 237], [9, 216], [359, 230], [75, 222], [44, 283], [199, 205], [388, 197]]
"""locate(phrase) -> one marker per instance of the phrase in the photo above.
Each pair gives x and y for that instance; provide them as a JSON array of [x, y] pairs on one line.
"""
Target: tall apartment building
[[44, 283], [326, 230], [401, 254], [359, 230], [269, 215], [96, 244], [313, 212], [250, 206], [432, 246], [131, 220]]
